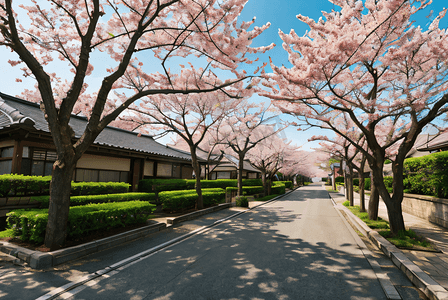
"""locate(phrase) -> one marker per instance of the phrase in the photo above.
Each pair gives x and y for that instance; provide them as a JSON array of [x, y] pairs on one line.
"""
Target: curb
[[420, 279], [195, 214]]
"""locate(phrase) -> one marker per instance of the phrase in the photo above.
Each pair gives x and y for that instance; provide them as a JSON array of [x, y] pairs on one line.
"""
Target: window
[[6, 160], [89, 175], [41, 162], [164, 170], [7, 152]]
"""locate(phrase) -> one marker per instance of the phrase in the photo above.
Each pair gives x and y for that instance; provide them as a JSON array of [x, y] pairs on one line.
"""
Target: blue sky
[[280, 13]]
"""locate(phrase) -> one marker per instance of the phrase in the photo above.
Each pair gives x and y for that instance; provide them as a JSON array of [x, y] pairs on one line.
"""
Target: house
[[26, 147], [225, 166]]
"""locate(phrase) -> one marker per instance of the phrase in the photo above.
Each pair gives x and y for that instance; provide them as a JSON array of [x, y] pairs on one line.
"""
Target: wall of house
[[435, 210]]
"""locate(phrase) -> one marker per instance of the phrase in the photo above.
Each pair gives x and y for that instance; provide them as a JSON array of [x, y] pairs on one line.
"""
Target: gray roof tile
[[25, 111]]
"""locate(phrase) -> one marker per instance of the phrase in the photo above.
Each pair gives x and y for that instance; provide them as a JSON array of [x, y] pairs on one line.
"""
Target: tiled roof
[[16, 111], [434, 142]]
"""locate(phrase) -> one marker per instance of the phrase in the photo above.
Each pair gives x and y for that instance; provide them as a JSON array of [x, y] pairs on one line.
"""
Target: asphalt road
[[295, 248]]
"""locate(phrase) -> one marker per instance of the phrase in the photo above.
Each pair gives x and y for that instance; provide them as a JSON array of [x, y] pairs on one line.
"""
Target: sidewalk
[[432, 263]]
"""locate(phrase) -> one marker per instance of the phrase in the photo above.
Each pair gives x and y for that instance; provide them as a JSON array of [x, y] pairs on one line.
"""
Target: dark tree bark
[[373, 201], [56, 230], [197, 171], [362, 204]]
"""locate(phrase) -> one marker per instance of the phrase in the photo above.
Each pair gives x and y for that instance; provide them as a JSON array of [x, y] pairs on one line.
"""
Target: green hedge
[[366, 183], [339, 179], [288, 184], [186, 199], [11, 185], [83, 200], [17, 185], [99, 188], [278, 189], [146, 185], [30, 225], [427, 175], [247, 190]]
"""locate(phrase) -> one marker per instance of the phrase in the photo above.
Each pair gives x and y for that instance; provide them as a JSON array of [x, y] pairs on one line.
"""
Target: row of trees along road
[[135, 38], [367, 63]]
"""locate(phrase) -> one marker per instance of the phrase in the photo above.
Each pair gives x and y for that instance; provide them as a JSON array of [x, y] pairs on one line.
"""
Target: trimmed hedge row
[[278, 188], [247, 190], [288, 184], [99, 188], [30, 225], [146, 185], [186, 199], [388, 181], [15, 185], [427, 175], [366, 183], [83, 200]]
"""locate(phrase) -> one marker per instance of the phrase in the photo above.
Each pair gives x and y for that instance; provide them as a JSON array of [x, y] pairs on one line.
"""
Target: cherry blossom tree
[[133, 43], [245, 129], [369, 62], [272, 155], [189, 116]]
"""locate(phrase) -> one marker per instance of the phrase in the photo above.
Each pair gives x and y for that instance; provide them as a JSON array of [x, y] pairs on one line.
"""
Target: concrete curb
[[420, 279], [195, 214]]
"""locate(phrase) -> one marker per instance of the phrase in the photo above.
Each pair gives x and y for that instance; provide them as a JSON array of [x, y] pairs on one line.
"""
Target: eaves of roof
[[22, 111]]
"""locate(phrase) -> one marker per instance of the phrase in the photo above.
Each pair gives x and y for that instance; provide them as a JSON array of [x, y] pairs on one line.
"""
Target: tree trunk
[[56, 230], [362, 204], [350, 186], [240, 174], [395, 214], [264, 182], [374, 201], [197, 171]]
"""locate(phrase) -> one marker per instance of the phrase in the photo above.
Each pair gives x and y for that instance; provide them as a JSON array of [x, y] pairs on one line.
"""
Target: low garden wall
[[435, 210]]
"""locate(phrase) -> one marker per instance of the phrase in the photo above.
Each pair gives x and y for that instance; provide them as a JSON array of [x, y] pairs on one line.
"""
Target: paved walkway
[[433, 264]]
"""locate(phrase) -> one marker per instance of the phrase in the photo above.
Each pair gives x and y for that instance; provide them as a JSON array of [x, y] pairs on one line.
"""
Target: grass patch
[[404, 239], [8, 233], [330, 190], [266, 198], [364, 216]]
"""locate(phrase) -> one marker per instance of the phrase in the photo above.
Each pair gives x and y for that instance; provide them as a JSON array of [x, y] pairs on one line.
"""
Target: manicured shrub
[[242, 201], [339, 179], [247, 190], [19, 185], [366, 183], [288, 184], [30, 224], [278, 188], [427, 175], [12, 185], [98, 188], [83, 200], [147, 185], [186, 199]]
